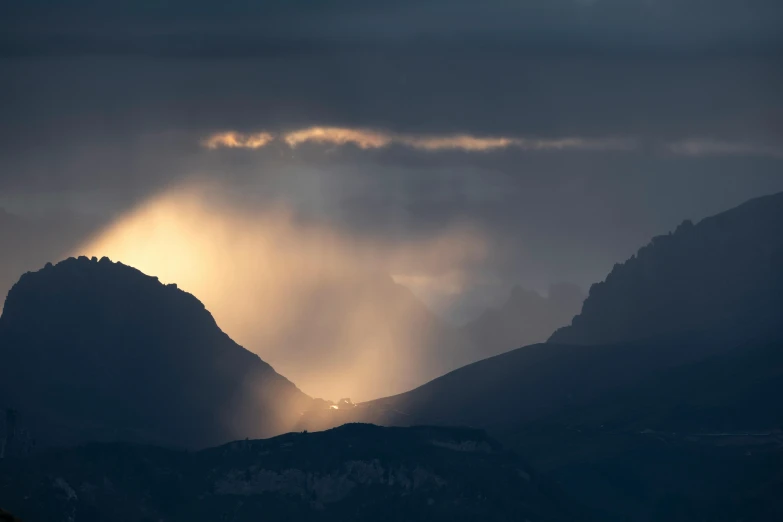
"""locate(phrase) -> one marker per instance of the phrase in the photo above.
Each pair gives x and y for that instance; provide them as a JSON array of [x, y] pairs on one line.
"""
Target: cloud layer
[[711, 147], [374, 139], [241, 28], [569, 132], [236, 140]]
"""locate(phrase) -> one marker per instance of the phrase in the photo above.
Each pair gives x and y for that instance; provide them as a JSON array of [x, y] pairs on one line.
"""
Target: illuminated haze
[[364, 157], [318, 305]]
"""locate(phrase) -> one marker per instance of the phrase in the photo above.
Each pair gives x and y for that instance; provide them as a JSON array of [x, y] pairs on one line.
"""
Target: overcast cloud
[[567, 131]]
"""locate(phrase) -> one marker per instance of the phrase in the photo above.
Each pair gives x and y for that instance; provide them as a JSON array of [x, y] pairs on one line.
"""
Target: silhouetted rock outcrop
[[26, 242], [526, 318], [352, 473], [95, 350], [723, 273]]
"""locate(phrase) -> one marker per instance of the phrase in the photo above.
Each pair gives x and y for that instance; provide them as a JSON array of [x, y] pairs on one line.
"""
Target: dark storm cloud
[[666, 69], [476, 91], [107, 103], [145, 109], [240, 27]]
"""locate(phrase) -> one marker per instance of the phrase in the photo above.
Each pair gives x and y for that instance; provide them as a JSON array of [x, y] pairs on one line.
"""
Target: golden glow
[[458, 142], [364, 139], [315, 303], [236, 140], [374, 139]]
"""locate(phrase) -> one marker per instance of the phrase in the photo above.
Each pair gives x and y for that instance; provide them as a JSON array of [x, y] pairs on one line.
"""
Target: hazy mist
[[319, 305]]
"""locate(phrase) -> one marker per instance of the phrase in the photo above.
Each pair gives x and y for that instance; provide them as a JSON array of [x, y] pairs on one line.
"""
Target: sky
[[551, 138]]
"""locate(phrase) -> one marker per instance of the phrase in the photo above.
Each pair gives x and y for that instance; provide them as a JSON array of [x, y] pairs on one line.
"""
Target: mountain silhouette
[[350, 333], [525, 318], [676, 327], [356, 472], [669, 414], [724, 270], [95, 350]]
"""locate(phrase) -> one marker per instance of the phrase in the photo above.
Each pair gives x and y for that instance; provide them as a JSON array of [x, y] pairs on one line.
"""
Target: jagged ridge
[[722, 273]]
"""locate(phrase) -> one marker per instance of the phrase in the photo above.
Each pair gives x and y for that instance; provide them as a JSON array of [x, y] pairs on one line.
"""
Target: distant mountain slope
[[351, 473], [726, 268], [674, 306], [523, 385], [526, 318], [628, 437], [403, 344], [732, 392], [624, 433], [95, 350], [676, 416]]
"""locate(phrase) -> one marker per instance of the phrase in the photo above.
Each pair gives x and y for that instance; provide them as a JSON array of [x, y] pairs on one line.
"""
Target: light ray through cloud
[[323, 306]]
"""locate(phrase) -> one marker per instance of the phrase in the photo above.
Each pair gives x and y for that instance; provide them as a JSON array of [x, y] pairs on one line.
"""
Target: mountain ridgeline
[[702, 291], [661, 400], [723, 273], [97, 351]]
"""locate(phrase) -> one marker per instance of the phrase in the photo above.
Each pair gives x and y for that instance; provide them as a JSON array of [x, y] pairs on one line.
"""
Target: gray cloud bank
[[237, 27], [107, 104], [463, 147]]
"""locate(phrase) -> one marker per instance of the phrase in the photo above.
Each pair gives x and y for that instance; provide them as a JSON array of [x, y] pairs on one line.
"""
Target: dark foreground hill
[[355, 472], [97, 351]]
